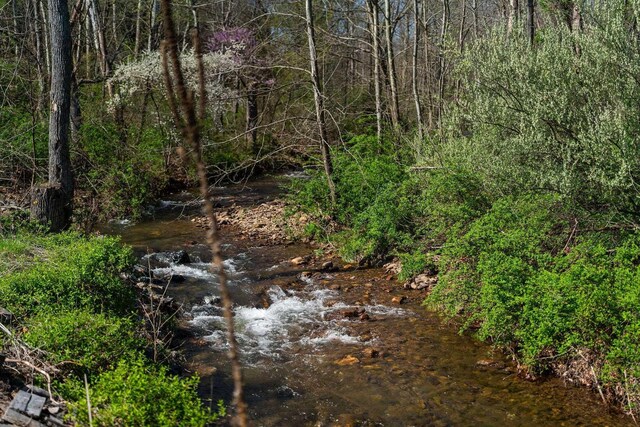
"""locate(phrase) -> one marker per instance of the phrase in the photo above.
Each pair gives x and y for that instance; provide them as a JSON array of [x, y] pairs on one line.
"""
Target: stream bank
[[334, 344]]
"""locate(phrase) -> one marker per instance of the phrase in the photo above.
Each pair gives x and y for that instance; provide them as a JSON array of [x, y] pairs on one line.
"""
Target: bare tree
[[531, 25], [319, 101], [414, 68], [514, 15], [187, 120], [391, 66], [372, 8]]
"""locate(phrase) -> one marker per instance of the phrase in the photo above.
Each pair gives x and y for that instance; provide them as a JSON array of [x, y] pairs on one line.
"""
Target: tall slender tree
[[319, 101], [391, 66], [372, 8]]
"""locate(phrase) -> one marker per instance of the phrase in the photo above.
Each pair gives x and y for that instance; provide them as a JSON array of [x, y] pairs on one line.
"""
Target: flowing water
[[310, 359]]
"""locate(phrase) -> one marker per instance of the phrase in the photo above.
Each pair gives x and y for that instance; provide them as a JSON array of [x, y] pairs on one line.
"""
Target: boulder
[[180, 257]]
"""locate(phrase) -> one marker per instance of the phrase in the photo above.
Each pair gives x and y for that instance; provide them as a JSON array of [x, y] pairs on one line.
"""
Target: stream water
[[309, 359]]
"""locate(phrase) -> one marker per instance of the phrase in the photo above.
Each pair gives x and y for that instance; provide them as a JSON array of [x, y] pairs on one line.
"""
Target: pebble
[[371, 353], [299, 261], [348, 360], [399, 300]]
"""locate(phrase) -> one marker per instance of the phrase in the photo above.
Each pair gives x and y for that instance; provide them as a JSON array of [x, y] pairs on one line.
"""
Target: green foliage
[[413, 264], [518, 276], [138, 394], [24, 136], [123, 176], [448, 201], [548, 119], [84, 340], [369, 186], [483, 272], [63, 272]]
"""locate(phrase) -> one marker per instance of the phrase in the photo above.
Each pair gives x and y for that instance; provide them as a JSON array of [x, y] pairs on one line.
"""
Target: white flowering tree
[[143, 75]]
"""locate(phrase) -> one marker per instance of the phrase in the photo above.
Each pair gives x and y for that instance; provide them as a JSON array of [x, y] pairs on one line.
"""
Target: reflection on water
[[405, 366]]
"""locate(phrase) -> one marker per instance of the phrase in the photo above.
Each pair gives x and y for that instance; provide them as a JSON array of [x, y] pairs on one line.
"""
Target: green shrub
[[413, 264], [138, 394], [485, 273], [67, 271], [449, 200], [546, 119], [86, 341]]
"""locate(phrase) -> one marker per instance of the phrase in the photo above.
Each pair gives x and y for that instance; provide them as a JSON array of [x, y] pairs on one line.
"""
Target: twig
[[86, 389], [188, 123], [35, 368], [626, 390], [595, 377]]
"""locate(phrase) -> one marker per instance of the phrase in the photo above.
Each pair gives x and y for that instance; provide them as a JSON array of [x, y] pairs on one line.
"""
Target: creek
[[311, 358]]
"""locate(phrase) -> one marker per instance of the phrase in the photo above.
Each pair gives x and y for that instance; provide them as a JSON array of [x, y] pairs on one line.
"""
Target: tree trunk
[[136, 44], [16, 29], [414, 68], [513, 15], [319, 102], [49, 206], [442, 59], [252, 118], [391, 66], [474, 6], [428, 77], [52, 204], [45, 32], [98, 36], [531, 25], [40, 66], [373, 13], [463, 21], [153, 25]]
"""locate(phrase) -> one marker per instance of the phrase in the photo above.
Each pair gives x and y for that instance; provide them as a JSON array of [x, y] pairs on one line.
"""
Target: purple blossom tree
[[253, 72]]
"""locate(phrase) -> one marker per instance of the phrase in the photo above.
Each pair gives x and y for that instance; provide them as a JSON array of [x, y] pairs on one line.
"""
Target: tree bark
[[319, 102], [391, 66], [513, 15], [373, 16], [531, 24], [49, 206], [136, 44], [52, 204], [414, 68]]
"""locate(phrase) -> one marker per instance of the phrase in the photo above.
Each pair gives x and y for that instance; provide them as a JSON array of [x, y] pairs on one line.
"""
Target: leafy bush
[[548, 119], [413, 264], [67, 271], [485, 272], [87, 341], [449, 200], [138, 394], [368, 181]]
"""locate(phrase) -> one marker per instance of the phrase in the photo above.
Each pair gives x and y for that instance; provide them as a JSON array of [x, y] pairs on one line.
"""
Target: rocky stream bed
[[327, 343]]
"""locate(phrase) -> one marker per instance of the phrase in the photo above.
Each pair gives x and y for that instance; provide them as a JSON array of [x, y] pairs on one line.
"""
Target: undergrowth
[[532, 272], [70, 302]]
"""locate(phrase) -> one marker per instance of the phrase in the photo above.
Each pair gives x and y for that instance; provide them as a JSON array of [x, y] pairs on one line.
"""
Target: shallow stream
[[311, 357]]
